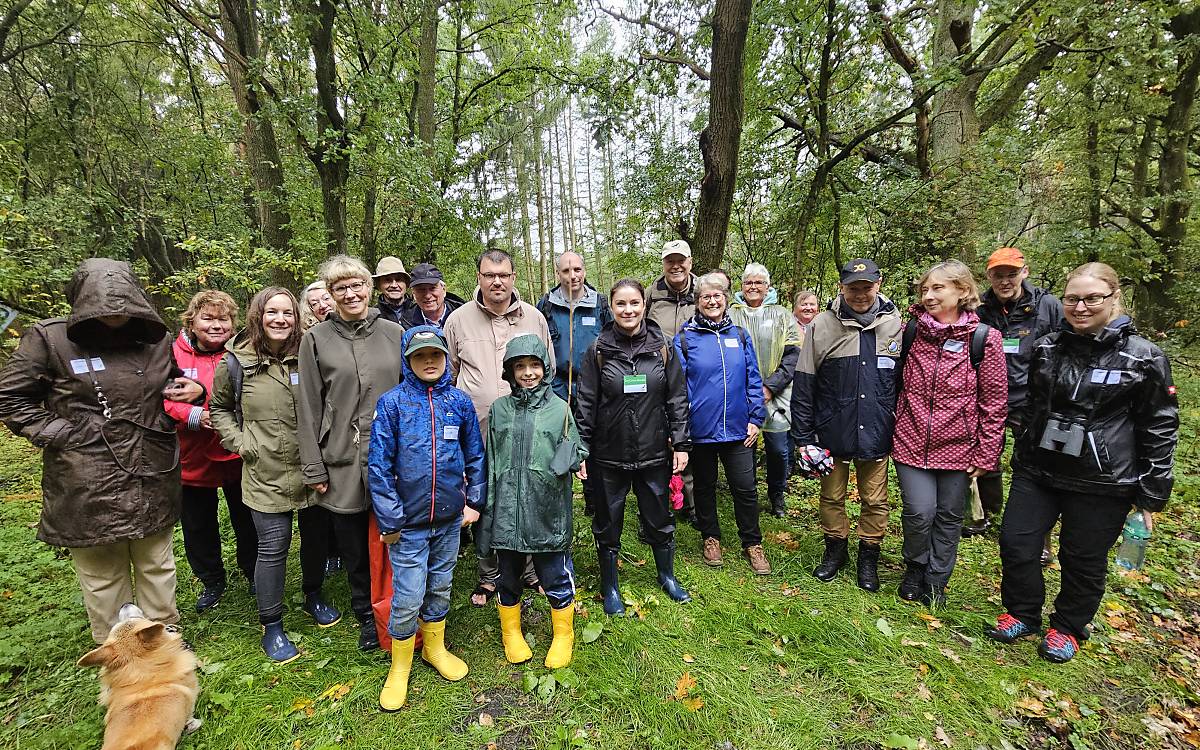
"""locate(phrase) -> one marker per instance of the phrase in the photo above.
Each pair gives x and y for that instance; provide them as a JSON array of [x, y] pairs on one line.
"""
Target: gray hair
[[757, 269], [712, 280]]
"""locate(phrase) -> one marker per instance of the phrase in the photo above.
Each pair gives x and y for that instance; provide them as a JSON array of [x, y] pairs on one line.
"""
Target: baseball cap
[[390, 265], [425, 273], [860, 269], [1006, 256], [425, 340], [677, 247]]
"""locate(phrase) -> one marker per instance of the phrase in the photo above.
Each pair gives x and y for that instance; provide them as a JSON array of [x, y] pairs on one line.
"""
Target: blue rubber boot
[[664, 560], [613, 605], [277, 645], [322, 611]]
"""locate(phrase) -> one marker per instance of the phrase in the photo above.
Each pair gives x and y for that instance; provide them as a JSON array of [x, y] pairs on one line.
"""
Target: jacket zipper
[[433, 433], [929, 422], [724, 387]]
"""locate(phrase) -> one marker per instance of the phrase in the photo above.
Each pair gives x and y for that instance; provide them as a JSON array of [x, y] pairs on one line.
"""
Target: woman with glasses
[[1099, 433], [316, 304], [725, 391], [346, 363]]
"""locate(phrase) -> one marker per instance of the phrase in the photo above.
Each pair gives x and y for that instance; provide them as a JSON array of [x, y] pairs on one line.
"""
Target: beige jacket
[[477, 339]]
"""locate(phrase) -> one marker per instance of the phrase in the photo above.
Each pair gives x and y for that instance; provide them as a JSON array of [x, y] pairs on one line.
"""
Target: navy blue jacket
[[427, 456], [844, 391], [724, 385], [1034, 314]]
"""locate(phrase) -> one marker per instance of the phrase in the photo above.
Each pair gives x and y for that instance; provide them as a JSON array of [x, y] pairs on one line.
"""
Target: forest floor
[[752, 663]]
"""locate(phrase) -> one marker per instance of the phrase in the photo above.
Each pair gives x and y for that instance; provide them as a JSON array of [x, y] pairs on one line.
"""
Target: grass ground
[[776, 662]]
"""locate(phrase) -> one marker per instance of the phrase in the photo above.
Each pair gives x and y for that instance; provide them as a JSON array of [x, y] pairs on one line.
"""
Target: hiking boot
[[210, 597], [712, 552], [368, 635], [868, 566], [778, 505], [664, 561], [276, 644], [1008, 629], [757, 559], [613, 604], [333, 565], [1058, 647], [933, 597], [320, 610], [914, 580], [832, 561]]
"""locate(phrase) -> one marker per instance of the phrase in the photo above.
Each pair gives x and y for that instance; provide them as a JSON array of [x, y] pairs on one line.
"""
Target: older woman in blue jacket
[[726, 394]]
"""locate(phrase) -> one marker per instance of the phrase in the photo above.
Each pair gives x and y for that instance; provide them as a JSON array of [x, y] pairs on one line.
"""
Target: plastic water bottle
[[1134, 539]]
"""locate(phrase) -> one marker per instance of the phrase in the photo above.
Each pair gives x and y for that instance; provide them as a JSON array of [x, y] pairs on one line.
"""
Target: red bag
[[381, 586]]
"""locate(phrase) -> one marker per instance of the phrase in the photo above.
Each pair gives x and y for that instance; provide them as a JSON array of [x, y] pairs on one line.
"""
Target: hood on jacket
[[102, 286], [525, 345], [934, 329], [771, 298], [514, 302], [589, 298], [410, 377], [1116, 329]]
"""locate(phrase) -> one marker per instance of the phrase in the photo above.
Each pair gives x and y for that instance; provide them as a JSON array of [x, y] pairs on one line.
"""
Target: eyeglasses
[[354, 286], [323, 299], [490, 277], [1092, 300], [713, 297], [753, 283]]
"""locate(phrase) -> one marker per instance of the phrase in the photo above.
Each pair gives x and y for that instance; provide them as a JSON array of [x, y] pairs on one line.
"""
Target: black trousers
[[1091, 524], [350, 530], [202, 532], [650, 486], [738, 460]]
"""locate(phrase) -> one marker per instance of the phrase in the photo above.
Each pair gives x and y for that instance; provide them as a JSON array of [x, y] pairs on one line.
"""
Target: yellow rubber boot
[[395, 687], [434, 651], [563, 644], [516, 650]]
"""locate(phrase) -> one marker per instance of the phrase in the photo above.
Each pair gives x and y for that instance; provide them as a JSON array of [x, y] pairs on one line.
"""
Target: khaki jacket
[[477, 339], [668, 308]]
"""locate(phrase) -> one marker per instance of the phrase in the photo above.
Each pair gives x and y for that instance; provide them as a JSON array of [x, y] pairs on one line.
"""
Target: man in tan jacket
[[477, 335]]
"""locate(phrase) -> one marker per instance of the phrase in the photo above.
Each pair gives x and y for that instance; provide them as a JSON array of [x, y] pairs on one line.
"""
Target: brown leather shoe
[[712, 552], [758, 560]]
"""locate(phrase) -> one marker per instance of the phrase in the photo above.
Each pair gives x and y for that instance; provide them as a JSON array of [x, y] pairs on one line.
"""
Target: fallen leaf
[[923, 692], [782, 672], [883, 627], [950, 654], [912, 643], [940, 735], [336, 692], [693, 704], [592, 631], [688, 658], [785, 539], [486, 720], [481, 698], [931, 622], [684, 686], [901, 742]]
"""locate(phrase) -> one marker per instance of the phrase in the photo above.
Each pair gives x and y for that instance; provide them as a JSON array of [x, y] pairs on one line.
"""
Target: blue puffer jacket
[[427, 458], [724, 386]]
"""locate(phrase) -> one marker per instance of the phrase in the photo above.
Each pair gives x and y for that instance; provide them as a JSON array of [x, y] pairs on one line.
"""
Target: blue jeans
[[554, 569], [779, 459], [422, 574]]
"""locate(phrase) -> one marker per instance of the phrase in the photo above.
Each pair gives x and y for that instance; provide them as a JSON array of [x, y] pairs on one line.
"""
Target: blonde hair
[[209, 298], [308, 318], [1105, 273], [342, 267], [803, 295], [957, 273]]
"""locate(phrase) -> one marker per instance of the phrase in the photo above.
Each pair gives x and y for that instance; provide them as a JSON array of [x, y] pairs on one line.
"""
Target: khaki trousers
[[104, 576], [872, 497]]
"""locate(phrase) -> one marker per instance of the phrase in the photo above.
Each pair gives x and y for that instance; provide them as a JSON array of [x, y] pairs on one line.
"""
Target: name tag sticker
[[450, 432], [589, 321], [1114, 377], [885, 363], [295, 378], [634, 383], [1012, 346], [1099, 376], [190, 372], [953, 345], [731, 343], [80, 366]]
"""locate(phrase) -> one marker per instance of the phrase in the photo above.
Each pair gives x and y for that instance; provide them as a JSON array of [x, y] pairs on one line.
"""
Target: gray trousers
[[932, 518]]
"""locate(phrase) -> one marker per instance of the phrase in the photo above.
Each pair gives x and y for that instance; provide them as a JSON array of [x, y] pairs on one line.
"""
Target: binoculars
[[1063, 436]]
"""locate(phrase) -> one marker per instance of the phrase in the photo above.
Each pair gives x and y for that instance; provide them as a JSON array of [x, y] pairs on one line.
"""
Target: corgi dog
[[147, 682]]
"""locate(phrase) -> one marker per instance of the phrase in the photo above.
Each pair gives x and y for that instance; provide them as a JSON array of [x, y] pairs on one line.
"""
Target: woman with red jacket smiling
[[208, 322], [949, 425]]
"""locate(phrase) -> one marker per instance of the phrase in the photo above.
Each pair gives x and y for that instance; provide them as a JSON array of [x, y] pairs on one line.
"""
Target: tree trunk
[[721, 138], [330, 155], [427, 74]]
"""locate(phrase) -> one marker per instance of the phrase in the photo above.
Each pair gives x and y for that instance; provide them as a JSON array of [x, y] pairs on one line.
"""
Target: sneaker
[[1008, 629], [712, 552], [1058, 647], [322, 611], [333, 565], [758, 560], [209, 598]]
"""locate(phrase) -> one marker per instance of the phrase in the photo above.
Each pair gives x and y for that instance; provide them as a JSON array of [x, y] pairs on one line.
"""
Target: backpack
[[235, 379], [978, 340]]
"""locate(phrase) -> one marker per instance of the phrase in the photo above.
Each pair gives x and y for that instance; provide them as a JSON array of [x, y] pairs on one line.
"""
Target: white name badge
[[885, 363], [589, 321], [191, 372], [295, 378], [80, 366], [1099, 376], [450, 432], [1114, 377], [731, 343], [953, 345]]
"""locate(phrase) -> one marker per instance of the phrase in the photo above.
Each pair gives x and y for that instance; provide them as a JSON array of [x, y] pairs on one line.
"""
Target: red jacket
[[204, 462], [948, 416]]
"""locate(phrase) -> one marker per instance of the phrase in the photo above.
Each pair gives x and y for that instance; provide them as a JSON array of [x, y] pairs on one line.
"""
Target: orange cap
[[1006, 256]]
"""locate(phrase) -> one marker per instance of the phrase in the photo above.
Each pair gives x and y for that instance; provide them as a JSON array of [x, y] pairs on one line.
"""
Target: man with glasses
[[433, 304], [392, 282], [1022, 313], [477, 335]]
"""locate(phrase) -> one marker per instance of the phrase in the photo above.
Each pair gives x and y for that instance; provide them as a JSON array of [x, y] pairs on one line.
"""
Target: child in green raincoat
[[532, 449]]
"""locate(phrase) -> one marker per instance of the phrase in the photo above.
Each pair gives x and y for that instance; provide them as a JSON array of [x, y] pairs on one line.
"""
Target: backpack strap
[[906, 340], [978, 341], [235, 378]]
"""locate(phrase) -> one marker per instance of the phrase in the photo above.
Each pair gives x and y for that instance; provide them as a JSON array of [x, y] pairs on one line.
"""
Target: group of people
[[389, 430]]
